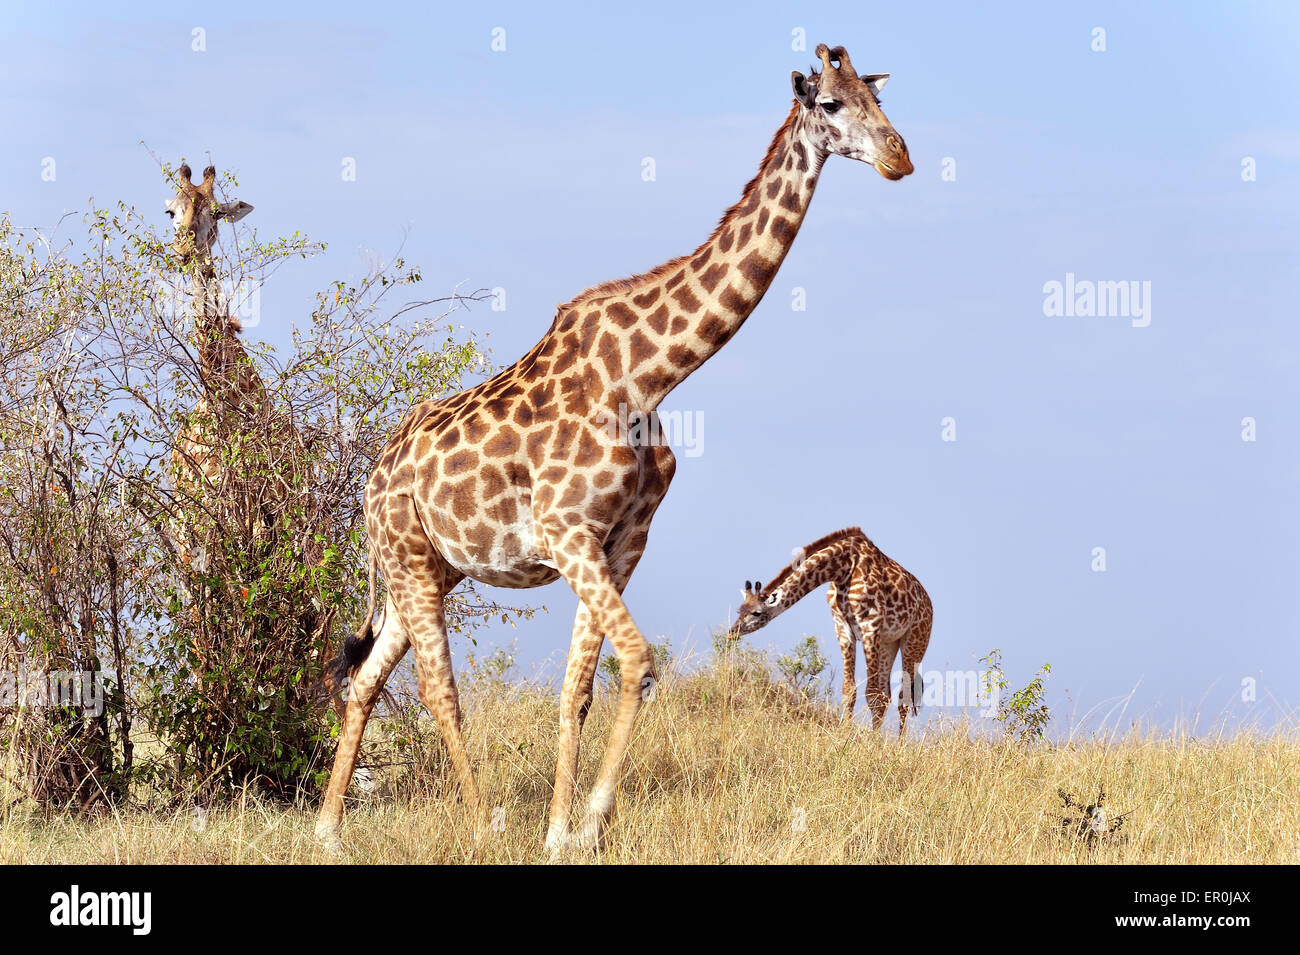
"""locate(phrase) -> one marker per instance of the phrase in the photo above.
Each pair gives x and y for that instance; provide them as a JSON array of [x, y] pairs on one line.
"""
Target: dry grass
[[724, 770]]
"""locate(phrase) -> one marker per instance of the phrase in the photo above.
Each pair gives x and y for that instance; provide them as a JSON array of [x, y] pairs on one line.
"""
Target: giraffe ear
[[876, 81], [804, 91], [233, 211]]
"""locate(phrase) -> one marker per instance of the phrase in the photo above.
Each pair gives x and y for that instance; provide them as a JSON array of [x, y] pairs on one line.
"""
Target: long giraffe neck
[[828, 563], [226, 367], [641, 337]]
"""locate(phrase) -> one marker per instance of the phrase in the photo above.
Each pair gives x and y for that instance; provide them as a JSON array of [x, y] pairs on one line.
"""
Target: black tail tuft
[[355, 650]]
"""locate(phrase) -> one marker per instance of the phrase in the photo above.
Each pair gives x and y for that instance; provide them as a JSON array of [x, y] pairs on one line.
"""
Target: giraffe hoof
[[590, 837], [587, 839], [327, 837], [557, 840]]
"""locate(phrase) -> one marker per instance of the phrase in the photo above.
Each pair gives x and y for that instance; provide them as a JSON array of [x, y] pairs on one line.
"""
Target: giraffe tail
[[913, 686], [358, 646], [918, 688]]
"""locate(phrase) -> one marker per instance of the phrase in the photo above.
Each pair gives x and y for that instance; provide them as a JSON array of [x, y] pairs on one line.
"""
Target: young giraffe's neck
[[641, 337], [823, 562]]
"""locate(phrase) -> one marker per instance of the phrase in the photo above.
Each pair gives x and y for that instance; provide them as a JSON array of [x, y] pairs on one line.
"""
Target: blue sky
[[522, 169]]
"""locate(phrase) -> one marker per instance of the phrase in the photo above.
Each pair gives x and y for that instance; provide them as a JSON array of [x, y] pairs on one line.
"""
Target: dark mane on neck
[[621, 286], [225, 326], [813, 548]]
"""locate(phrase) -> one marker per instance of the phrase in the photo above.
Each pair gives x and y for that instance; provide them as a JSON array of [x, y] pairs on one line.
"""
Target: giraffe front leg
[[656, 465], [576, 696], [585, 567], [390, 644], [575, 701], [848, 653]]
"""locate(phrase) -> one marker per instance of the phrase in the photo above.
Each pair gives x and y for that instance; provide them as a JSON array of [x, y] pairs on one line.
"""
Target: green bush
[[1023, 713], [803, 668], [209, 609]]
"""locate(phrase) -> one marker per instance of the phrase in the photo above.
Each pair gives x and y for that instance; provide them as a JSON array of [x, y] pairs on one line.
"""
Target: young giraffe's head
[[194, 212], [757, 610], [759, 607], [842, 114]]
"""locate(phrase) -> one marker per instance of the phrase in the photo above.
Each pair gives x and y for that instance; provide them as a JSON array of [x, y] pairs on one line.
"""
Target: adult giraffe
[[231, 387], [522, 479], [241, 467], [233, 409]]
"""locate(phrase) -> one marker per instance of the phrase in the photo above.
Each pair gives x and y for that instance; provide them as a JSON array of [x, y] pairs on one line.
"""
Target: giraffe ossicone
[[521, 465]]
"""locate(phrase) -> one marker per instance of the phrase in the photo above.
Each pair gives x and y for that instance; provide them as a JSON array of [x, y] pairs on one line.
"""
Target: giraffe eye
[[831, 106]]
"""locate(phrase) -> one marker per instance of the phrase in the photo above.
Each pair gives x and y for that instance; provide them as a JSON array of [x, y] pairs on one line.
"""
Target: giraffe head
[[842, 114], [194, 212], [757, 609]]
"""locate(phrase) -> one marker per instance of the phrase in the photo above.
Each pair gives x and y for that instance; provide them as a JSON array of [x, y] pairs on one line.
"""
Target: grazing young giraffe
[[525, 478], [873, 600]]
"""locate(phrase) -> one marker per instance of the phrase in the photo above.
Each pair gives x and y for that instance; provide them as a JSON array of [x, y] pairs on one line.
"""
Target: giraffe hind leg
[[913, 682], [417, 587], [880, 660], [387, 646]]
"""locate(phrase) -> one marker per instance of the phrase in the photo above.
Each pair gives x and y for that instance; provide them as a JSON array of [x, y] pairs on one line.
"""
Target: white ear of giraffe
[[876, 81], [233, 211], [799, 554]]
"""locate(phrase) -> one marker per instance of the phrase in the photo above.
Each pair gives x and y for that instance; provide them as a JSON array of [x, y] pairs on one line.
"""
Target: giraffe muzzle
[[896, 163]]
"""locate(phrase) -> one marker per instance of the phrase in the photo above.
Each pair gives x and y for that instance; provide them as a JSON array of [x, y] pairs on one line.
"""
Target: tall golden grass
[[727, 768]]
